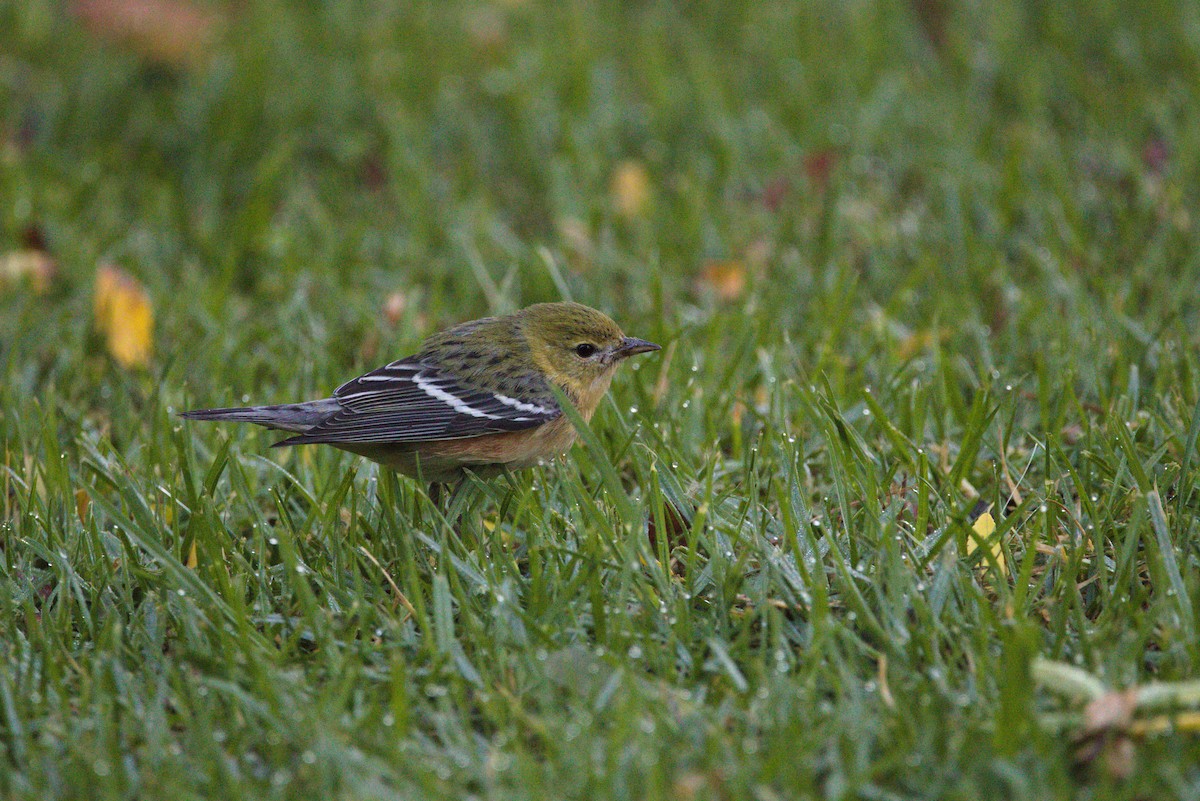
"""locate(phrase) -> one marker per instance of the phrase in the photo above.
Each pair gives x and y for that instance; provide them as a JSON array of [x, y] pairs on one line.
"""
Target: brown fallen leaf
[[630, 189], [725, 279], [933, 17], [676, 524], [487, 30], [125, 316], [819, 165], [1156, 155], [173, 32], [776, 192]]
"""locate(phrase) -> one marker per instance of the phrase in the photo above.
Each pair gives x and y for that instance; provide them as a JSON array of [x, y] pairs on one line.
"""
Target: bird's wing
[[411, 401]]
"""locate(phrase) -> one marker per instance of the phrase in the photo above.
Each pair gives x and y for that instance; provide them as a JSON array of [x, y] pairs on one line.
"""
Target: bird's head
[[578, 347]]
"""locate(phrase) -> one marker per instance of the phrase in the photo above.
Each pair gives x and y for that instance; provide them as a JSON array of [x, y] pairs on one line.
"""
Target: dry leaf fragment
[[125, 316], [33, 266], [725, 279], [1104, 737], [630, 189], [394, 306], [192, 560]]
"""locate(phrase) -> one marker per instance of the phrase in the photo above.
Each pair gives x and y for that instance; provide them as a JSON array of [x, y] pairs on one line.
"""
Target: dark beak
[[631, 346]]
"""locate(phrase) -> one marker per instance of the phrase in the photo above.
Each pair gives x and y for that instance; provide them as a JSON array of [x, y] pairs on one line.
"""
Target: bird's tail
[[295, 417]]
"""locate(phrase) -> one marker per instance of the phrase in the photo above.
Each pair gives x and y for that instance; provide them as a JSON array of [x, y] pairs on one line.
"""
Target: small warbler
[[477, 396]]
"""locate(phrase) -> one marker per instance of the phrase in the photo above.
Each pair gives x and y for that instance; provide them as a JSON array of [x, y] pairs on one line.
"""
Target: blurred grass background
[[905, 257]]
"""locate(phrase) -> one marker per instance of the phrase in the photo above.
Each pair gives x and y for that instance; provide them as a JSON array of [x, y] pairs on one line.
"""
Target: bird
[[477, 396]]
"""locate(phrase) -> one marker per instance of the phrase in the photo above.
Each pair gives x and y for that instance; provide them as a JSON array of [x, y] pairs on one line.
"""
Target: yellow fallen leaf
[[32, 265], [192, 561], [630, 189], [82, 502], [726, 279], [984, 527], [125, 316]]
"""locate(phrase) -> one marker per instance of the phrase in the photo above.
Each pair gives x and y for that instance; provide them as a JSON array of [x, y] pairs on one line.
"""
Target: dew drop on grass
[[633, 410], [866, 412], [309, 758], [245, 398], [100, 767], [181, 592], [687, 403], [273, 541], [635, 652], [388, 719]]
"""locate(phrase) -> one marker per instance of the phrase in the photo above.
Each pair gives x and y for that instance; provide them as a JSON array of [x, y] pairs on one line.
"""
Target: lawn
[[915, 267]]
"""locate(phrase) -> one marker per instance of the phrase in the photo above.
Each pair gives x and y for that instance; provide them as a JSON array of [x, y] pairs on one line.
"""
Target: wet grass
[[903, 260]]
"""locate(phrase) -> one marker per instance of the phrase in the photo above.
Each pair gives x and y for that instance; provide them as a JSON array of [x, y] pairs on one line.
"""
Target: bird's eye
[[585, 350]]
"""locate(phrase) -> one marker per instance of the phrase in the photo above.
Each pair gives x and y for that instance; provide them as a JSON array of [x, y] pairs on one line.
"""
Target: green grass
[[993, 297]]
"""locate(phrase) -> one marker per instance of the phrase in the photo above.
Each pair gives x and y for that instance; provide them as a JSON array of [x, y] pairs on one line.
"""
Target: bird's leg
[[436, 490], [451, 501], [459, 502]]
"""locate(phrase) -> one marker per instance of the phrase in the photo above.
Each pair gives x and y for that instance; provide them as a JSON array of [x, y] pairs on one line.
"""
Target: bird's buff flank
[[476, 396]]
